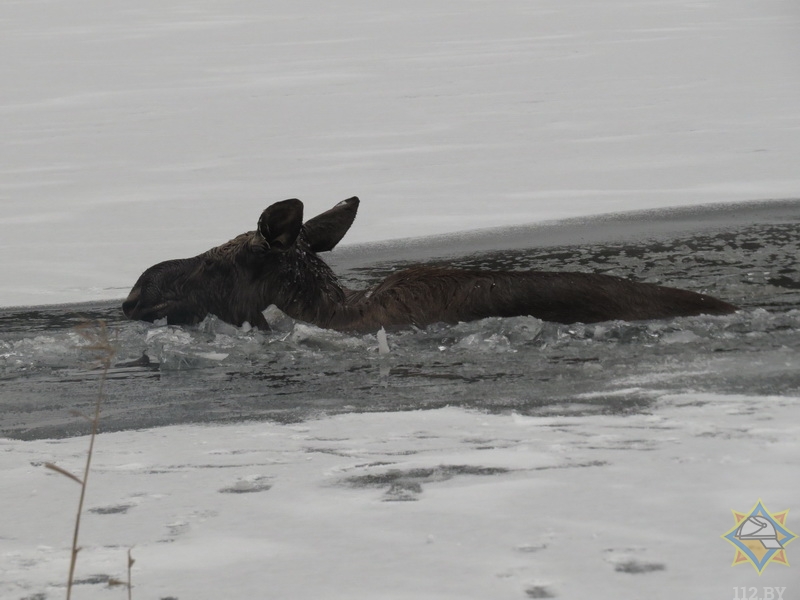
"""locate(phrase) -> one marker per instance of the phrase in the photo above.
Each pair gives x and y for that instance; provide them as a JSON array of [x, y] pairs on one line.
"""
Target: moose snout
[[130, 304], [137, 309], [144, 307]]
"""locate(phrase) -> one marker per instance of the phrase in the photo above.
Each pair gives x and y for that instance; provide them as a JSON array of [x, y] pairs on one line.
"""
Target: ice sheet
[[434, 504], [137, 133], [133, 134]]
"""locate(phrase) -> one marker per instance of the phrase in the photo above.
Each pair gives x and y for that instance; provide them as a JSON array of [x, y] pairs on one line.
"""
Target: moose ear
[[280, 223], [326, 230]]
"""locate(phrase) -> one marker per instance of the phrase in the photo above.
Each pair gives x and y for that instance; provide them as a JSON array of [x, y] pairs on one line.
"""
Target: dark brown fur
[[278, 264]]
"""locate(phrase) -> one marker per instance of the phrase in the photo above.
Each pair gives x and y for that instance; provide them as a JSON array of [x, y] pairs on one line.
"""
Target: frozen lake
[[462, 460], [499, 459], [138, 133]]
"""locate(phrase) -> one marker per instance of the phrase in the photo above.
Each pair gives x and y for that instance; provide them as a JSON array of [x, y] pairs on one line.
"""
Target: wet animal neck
[[311, 293]]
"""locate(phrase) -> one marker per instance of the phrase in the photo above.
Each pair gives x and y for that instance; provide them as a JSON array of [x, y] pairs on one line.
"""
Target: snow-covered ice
[[433, 504], [140, 132]]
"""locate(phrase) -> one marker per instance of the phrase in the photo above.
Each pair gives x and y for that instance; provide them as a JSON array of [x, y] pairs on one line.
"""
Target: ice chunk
[[310, 336], [278, 320], [383, 343], [494, 342]]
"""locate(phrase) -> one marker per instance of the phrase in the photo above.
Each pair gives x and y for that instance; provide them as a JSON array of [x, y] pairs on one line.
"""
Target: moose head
[[275, 264]]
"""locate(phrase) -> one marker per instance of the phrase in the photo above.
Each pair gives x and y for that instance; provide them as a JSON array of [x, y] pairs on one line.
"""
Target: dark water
[[747, 255]]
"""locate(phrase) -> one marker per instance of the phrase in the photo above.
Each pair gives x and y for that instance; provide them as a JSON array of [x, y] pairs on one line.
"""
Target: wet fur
[[278, 264]]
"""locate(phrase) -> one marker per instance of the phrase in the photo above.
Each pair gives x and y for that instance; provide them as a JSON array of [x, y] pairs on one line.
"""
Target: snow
[[145, 131], [134, 134], [422, 504]]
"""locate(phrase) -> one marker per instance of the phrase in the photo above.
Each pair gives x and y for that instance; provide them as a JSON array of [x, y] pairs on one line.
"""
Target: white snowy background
[[139, 131]]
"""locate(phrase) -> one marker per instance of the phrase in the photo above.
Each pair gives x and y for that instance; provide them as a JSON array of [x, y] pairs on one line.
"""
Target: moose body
[[278, 264]]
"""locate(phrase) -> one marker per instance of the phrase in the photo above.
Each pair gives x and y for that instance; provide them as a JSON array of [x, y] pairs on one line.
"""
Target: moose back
[[279, 264]]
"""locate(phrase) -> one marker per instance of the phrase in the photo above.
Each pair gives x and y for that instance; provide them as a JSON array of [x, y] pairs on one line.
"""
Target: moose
[[279, 264]]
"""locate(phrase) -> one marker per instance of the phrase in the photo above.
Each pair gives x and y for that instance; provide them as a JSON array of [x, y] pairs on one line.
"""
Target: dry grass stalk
[[130, 566], [101, 345], [113, 582]]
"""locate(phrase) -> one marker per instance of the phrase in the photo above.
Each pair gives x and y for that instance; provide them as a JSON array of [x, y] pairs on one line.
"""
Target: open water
[[213, 372]]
